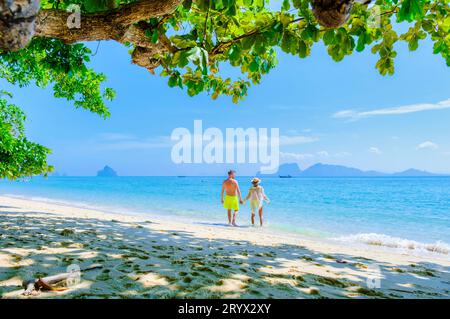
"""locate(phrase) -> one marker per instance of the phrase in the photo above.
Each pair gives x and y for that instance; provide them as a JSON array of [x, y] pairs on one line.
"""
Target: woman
[[257, 197]]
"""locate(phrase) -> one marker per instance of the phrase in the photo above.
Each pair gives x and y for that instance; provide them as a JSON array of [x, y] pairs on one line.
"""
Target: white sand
[[144, 257]]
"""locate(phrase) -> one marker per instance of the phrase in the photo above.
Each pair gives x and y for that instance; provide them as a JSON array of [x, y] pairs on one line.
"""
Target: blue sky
[[340, 113]]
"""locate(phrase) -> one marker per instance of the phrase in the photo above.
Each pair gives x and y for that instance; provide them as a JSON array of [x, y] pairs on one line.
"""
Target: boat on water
[[285, 176]]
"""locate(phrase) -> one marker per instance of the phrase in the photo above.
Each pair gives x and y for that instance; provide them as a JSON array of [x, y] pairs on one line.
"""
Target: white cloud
[[296, 139], [318, 155], [375, 150], [428, 145], [413, 108], [295, 156], [342, 154], [292, 132], [120, 142], [323, 153]]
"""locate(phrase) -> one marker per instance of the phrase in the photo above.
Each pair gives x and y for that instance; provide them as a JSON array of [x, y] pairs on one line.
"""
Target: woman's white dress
[[256, 196]]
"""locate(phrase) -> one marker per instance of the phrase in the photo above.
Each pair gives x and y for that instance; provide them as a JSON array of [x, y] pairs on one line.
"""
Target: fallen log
[[35, 285]]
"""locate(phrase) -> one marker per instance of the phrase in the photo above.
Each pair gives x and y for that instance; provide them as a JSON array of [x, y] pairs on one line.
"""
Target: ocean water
[[406, 213]]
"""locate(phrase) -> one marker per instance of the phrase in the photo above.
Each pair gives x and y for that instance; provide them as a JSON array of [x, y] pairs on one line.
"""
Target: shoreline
[[144, 256], [369, 241]]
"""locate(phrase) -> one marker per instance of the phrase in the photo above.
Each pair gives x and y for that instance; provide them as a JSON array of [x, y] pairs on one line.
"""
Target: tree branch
[[108, 25], [221, 46], [20, 21]]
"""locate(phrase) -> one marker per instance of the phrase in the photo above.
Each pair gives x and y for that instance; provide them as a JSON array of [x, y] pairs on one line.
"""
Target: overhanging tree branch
[[20, 20], [107, 25]]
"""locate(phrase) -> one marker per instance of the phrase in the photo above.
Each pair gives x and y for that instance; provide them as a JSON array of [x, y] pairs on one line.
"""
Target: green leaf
[[411, 10], [286, 5], [302, 49]]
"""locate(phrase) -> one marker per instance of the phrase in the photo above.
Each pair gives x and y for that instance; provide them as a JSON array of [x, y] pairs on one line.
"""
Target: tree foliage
[[200, 40], [18, 156]]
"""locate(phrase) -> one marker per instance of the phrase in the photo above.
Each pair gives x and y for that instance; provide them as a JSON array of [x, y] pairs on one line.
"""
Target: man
[[231, 187]]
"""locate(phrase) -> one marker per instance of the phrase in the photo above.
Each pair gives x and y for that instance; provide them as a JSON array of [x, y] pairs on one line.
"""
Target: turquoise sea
[[405, 213]]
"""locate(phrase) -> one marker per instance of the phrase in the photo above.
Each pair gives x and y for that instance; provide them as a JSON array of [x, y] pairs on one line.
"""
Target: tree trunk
[[17, 23], [332, 13]]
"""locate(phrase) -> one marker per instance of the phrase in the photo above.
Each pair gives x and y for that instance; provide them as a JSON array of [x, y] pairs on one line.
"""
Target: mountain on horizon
[[106, 172], [328, 170], [415, 172]]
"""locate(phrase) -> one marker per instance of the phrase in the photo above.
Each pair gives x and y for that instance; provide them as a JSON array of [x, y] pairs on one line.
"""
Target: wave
[[374, 239]]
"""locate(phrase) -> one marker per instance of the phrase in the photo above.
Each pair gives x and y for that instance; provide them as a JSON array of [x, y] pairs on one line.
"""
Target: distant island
[[107, 172], [328, 170]]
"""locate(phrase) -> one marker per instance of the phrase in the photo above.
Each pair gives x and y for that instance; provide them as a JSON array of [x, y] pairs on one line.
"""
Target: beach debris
[[314, 291], [370, 292], [35, 285], [67, 232], [360, 265]]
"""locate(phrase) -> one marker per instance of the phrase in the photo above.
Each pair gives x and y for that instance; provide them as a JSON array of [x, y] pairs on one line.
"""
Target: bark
[[145, 57], [108, 25], [332, 13], [20, 20], [17, 23]]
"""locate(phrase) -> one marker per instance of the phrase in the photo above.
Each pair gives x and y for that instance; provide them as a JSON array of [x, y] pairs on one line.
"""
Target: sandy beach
[[145, 257]]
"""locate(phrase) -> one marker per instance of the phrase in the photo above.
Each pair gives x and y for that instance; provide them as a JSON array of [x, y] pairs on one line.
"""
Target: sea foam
[[375, 239]]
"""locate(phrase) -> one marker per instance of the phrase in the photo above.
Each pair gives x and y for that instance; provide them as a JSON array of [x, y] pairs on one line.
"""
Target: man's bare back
[[230, 186]]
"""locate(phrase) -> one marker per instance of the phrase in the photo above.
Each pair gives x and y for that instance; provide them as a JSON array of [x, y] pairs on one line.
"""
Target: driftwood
[[35, 285]]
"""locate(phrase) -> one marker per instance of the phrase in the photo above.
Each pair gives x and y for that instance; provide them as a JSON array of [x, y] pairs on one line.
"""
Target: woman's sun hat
[[256, 180]]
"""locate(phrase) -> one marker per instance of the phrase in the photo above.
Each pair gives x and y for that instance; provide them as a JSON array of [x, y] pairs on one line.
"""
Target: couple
[[233, 198]]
